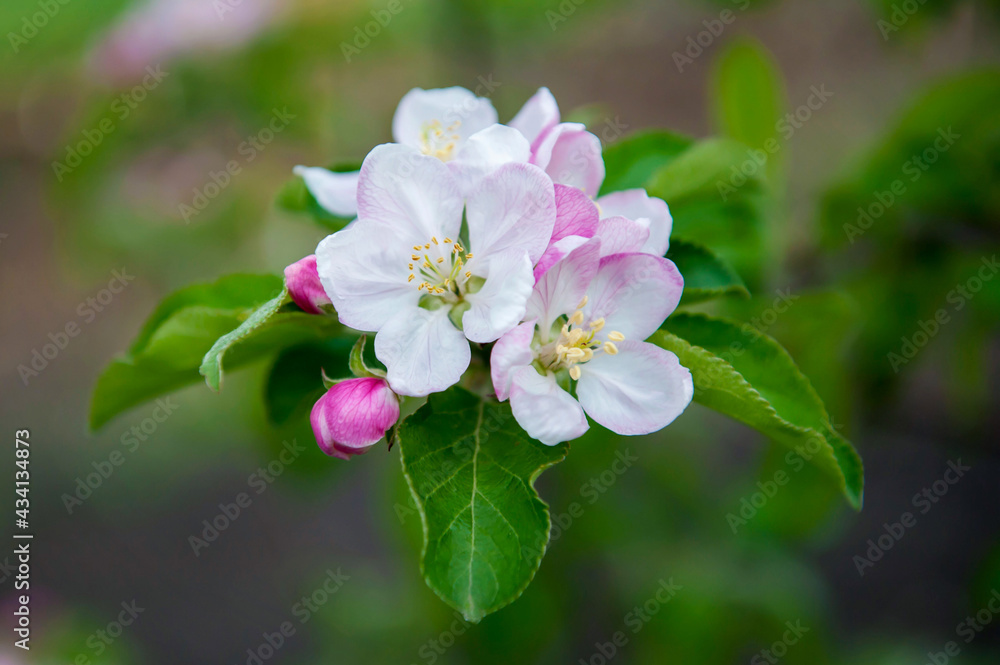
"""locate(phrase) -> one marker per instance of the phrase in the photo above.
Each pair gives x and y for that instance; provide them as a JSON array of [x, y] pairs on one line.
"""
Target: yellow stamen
[[616, 336], [610, 349], [597, 325], [574, 372], [576, 319], [583, 303], [410, 278]]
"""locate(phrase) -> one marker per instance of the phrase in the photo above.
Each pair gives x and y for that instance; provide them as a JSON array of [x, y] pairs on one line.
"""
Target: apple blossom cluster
[[473, 236]]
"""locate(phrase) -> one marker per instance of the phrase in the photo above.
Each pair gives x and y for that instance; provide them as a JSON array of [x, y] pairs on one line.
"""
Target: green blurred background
[[898, 74]]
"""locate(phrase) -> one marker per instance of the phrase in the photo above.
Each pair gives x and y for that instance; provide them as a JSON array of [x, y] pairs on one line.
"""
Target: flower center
[[577, 344], [440, 266], [439, 141]]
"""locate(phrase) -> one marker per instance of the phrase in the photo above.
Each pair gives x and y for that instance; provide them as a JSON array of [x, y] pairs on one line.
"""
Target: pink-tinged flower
[[565, 150], [353, 415], [302, 281], [403, 269], [436, 122], [587, 319]]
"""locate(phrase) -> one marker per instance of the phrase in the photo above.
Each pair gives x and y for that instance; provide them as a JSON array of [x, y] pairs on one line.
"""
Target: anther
[[574, 372], [616, 336], [610, 349]]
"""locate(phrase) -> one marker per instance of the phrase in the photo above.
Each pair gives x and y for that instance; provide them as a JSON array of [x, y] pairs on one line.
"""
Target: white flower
[[588, 317], [407, 270], [435, 122]]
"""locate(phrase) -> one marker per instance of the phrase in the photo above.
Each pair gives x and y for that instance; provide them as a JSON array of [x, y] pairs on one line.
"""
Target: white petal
[[337, 193], [620, 234], [423, 351], [638, 391], [511, 351], [485, 152], [538, 115], [563, 286], [572, 156], [636, 205], [634, 293], [413, 197], [455, 108], [514, 208], [365, 279], [545, 411], [500, 304]]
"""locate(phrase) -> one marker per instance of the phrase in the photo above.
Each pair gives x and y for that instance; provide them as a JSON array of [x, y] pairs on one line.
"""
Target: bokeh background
[[898, 72]]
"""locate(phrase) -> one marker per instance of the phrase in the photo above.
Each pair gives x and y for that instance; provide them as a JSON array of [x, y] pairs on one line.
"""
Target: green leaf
[[295, 381], [211, 366], [751, 378], [631, 161], [174, 341], [749, 98], [471, 470], [712, 206], [706, 276]]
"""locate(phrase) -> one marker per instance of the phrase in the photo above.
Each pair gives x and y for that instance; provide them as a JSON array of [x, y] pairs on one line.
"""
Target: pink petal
[[572, 156], [621, 235], [353, 415], [563, 286], [538, 115], [511, 351], [302, 280], [640, 390], [576, 214], [545, 411], [634, 293], [638, 206]]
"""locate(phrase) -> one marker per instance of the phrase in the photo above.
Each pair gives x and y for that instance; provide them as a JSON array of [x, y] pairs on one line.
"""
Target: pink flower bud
[[304, 286], [353, 415]]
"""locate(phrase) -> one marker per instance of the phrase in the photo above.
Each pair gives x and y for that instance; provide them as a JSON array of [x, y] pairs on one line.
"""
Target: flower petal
[[563, 286], [353, 415], [302, 281], [514, 208], [637, 205], [365, 279], [545, 411], [640, 390], [337, 193], [634, 293], [572, 156], [620, 234], [423, 351], [485, 152], [576, 214], [500, 304], [511, 351], [538, 115], [456, 109], [414, 197], [555, 253]]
